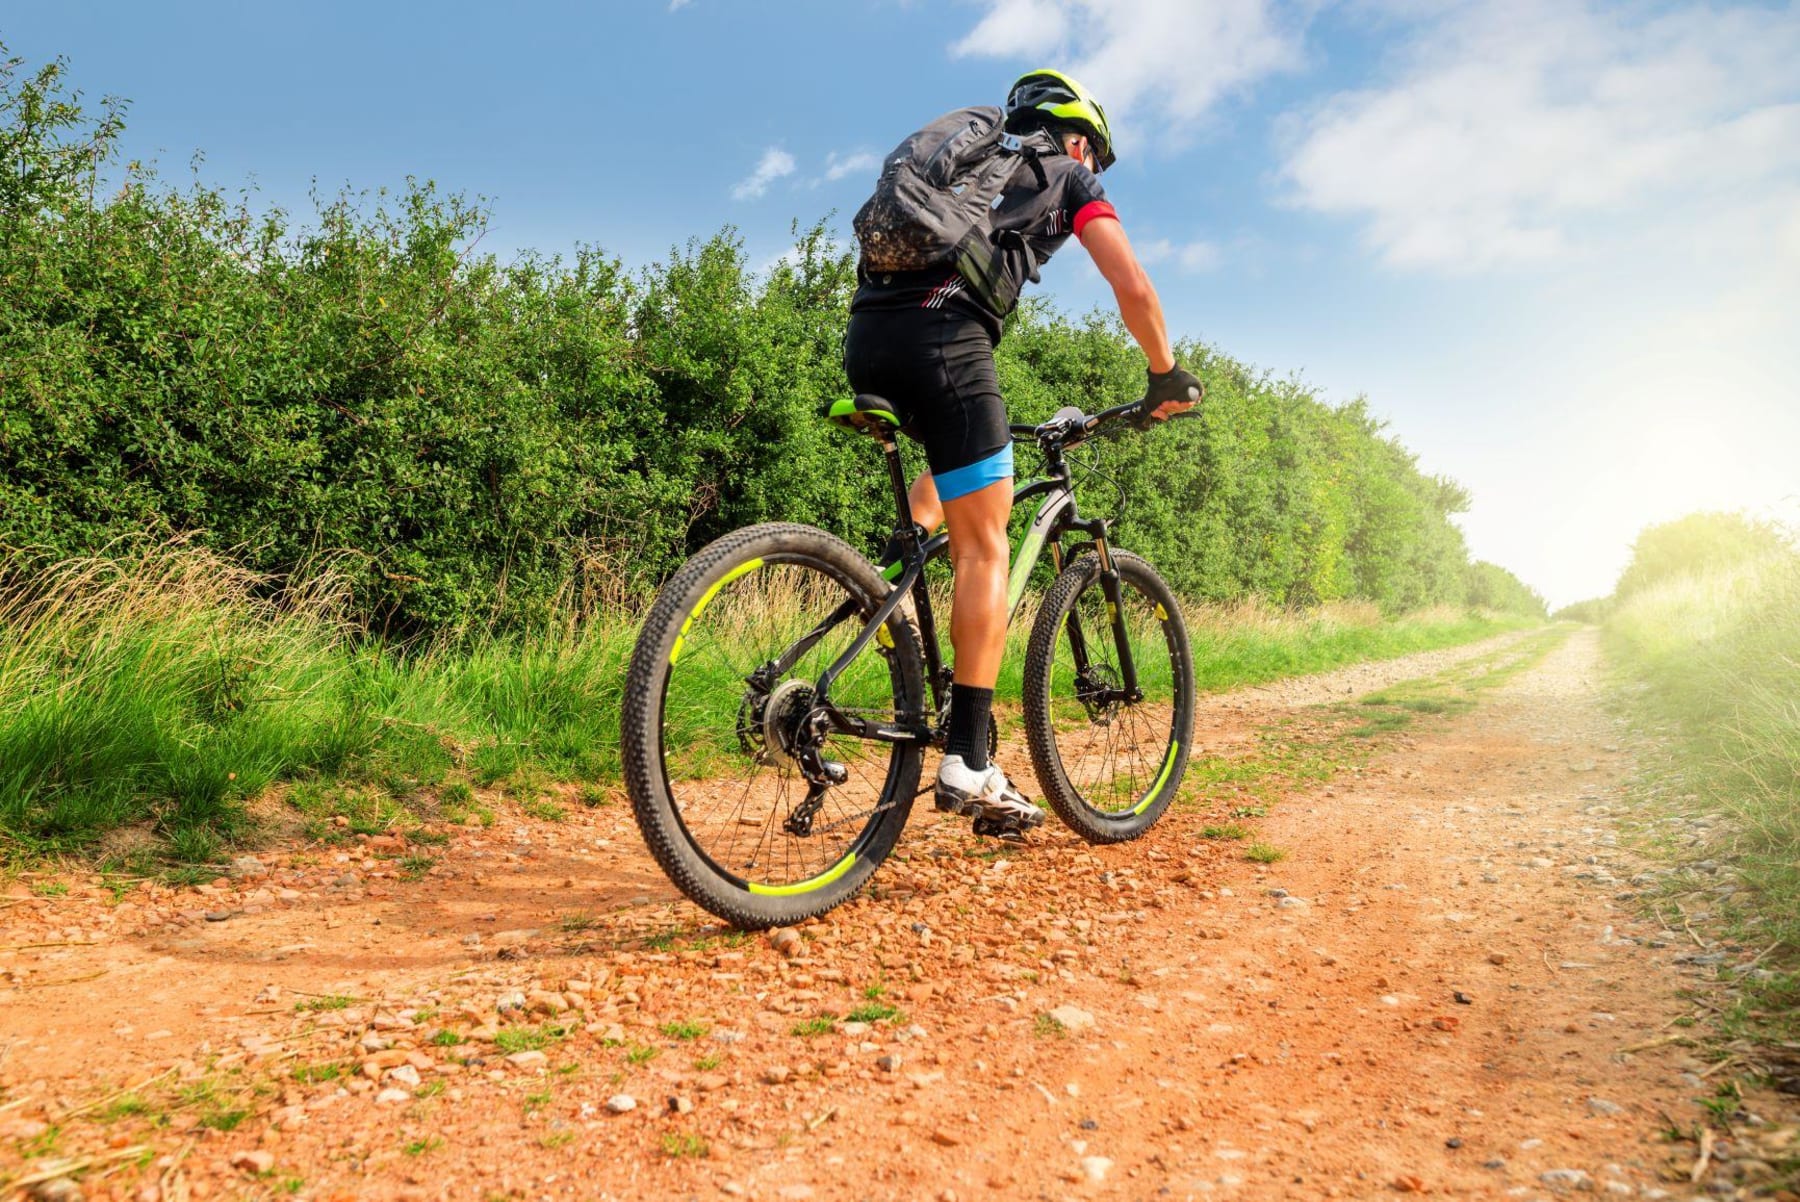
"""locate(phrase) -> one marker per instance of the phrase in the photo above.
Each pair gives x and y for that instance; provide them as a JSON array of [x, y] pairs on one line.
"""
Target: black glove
[[1176, 384]]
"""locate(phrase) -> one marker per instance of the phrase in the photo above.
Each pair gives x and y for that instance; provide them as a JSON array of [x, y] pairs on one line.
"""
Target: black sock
[[969, 711]]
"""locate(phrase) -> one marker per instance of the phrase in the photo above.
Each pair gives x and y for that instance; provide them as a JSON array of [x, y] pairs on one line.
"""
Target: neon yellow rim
[[818, 882], [1168, 767], [749, 565]]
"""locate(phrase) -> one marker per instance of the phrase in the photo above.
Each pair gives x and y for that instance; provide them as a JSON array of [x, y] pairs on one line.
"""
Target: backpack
[[933, 205]]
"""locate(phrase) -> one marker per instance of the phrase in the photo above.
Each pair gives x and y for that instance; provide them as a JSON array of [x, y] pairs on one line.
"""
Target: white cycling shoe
[[986, 794]]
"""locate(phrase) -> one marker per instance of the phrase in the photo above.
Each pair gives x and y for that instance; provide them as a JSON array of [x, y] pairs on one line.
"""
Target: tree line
[[479, 443]]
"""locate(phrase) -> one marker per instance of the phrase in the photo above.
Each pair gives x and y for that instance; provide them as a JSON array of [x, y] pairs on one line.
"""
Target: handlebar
[[1070, 426]]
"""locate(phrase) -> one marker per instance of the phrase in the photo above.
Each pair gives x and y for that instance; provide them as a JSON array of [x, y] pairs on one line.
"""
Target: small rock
[[1567, 1179], [392, 1097], [531, 1059], [785, 940], [680, 1105], [945, 1138], [709, 1082], [57, 1189], [1603, 1108], [510, 1002], [406, 1076], [217, 915], [1496, 958], [254, 1162], [1096, 1167], [542, 1001], [1463, 999], [1073, 1018], [621, 1103], [775, 1074], [247, 868], [889, 1063]]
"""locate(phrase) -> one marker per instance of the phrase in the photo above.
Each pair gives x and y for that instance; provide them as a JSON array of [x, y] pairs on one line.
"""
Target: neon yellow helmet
[[1060, 97]]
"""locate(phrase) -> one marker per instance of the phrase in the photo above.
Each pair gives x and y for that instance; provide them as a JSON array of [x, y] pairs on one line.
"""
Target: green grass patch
[[641, 1054], [530, 1039], [1264, 853], [679, 1144], [313, 1005], [1048, 1026], [875, 1012], [1229, 830], [420, 1147], [812, 1028], [684, 1030]]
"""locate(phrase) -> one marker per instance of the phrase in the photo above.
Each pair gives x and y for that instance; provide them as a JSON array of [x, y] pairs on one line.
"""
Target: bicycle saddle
[[866, 412]]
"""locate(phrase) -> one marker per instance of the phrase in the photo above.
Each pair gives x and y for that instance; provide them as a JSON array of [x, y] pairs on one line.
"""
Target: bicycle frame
[[1055, 516]]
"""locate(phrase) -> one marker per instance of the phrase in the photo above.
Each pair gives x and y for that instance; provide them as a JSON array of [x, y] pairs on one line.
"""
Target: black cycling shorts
[[937, 368]]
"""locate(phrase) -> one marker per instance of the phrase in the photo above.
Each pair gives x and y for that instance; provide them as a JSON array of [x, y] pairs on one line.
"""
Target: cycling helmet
[[1061, 98]]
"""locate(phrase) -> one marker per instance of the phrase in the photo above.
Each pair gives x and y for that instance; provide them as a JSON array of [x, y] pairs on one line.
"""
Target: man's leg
[[979, 553]]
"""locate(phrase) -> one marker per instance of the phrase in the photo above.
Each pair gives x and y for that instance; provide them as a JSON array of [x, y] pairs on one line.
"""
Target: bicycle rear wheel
[[718, 716], [1108, 763]]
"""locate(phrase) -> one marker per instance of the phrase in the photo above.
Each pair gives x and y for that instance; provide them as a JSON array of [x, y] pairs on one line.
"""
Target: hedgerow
[[481, 445]]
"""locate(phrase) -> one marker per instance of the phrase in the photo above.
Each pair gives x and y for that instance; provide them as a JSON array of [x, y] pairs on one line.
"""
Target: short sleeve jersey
[[1045, 217]]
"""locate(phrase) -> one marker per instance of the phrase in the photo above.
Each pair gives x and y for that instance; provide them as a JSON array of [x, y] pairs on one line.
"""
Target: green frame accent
[[706, 598], [1168, 767], [818, 882]]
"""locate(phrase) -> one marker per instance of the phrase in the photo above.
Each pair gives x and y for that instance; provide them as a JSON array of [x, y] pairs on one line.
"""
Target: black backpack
[[934, 202]]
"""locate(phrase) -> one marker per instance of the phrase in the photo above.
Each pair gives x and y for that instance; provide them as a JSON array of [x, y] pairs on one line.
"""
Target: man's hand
[[1170, 392]]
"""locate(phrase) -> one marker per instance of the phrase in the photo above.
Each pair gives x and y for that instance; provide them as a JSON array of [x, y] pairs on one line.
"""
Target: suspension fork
[[1115, 612]]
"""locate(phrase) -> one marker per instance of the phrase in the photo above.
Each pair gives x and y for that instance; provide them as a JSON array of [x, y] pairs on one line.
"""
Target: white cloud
[[674, 5], [1159, 66], [774, 164], [1532, 130], [837, 168], [1194, 257]]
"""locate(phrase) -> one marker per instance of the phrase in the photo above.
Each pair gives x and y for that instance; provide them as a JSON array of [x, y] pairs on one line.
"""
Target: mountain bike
[[776, 715]]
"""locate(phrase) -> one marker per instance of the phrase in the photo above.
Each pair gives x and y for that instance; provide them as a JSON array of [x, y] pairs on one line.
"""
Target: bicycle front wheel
[[719, 716], [1109, 760]]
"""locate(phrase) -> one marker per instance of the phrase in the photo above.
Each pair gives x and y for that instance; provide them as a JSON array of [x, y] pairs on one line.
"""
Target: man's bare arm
[[1139, 307]]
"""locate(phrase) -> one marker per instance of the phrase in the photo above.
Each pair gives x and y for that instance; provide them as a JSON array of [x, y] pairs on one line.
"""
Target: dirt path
[[1437, 990]]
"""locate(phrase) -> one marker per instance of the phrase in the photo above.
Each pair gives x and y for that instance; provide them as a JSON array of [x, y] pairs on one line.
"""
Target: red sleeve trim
[[1091, 210]]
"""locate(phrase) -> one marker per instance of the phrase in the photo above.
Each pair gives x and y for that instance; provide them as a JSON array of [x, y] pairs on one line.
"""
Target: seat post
[[897, 476]]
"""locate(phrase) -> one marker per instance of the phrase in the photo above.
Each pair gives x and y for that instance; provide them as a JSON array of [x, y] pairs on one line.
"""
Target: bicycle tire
[[736, 587], [1109, 770]]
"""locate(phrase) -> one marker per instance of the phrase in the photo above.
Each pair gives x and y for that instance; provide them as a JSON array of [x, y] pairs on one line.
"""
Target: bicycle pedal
[[997, 828]]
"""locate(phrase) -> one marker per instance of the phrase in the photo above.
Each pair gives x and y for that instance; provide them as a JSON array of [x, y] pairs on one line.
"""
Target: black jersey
[[1044, 217]]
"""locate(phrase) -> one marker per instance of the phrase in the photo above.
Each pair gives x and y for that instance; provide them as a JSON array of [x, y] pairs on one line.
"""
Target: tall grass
[[1718, 655], [164, 685]]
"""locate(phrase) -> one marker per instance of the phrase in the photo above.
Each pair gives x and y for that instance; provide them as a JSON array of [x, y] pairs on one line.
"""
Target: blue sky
[[1556, 244]]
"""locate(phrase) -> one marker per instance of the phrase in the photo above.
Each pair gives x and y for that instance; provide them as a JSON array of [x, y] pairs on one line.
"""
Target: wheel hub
[[783, 721], [1098, 691]]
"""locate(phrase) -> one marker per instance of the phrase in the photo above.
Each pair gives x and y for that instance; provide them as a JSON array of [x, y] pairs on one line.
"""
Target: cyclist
[[924, 342]]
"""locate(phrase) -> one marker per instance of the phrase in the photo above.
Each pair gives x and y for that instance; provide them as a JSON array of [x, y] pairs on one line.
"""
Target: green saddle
[[866, 412]]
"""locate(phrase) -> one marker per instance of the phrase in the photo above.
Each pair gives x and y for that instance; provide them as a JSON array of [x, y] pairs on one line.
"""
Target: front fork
[[1115, 612]]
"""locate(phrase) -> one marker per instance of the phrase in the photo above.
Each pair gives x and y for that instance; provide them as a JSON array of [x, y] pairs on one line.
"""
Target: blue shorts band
[[962, 481]]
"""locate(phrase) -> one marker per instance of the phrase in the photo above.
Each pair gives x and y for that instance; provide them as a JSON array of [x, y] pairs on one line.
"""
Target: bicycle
[[779, 659]]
